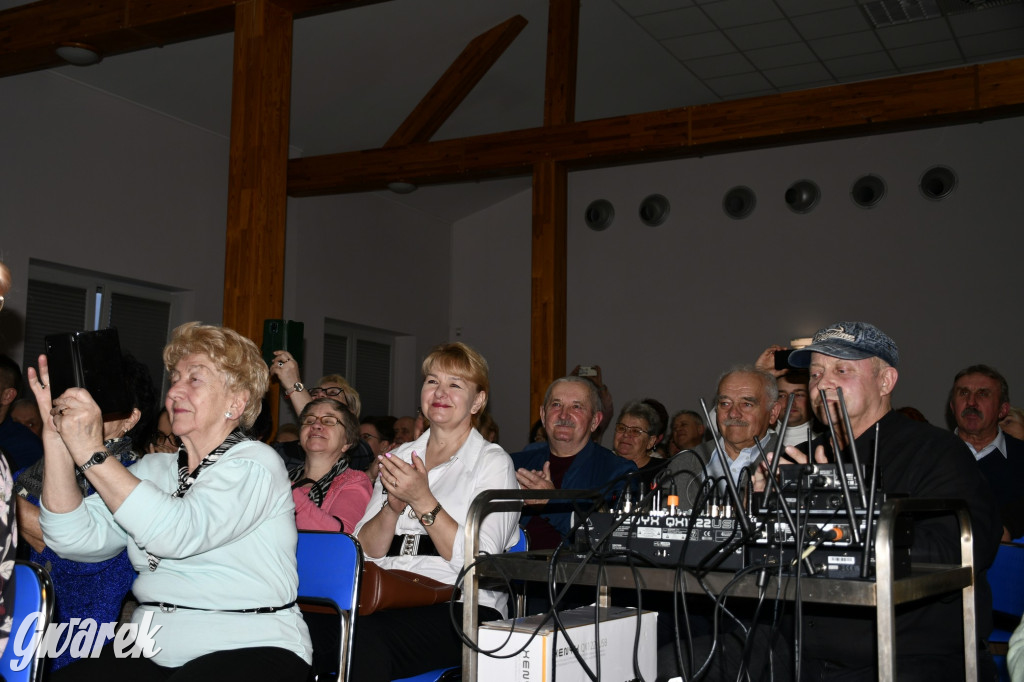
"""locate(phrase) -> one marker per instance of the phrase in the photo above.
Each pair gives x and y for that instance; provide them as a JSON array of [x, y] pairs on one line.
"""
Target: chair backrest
[[522, 544], [33, 594], [330, 569], [1006, 577]]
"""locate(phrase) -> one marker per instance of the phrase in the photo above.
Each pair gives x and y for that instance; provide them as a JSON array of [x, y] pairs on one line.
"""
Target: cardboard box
[[534, 663]]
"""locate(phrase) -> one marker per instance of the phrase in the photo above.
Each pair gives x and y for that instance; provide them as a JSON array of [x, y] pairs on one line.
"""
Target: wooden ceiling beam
[[457, 82], [30, 33], [960, 95]]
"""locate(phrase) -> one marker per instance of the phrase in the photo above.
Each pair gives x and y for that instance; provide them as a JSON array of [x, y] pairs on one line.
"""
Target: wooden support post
[[547, 298], [258, 168], [550, 188]]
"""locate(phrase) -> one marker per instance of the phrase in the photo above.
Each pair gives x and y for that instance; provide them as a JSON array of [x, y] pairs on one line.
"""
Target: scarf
[[319, 488], [187, 478]]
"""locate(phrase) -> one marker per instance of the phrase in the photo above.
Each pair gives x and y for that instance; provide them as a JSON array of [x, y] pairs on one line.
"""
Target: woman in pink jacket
[[328, 494]]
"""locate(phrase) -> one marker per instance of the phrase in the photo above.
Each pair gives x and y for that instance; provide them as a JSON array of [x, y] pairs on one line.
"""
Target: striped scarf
[[187, 478], [319, 488]]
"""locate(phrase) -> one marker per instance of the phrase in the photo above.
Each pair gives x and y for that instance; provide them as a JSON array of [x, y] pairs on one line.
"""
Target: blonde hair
[[461, 360], [236, 356], [351, 394]]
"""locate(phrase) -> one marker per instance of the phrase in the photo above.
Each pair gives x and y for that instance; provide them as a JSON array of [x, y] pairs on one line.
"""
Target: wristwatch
[[428, 518], [97, 458], [296, 388]]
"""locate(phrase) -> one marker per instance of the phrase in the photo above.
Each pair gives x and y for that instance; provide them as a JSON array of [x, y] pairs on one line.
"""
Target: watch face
[[98, 457]]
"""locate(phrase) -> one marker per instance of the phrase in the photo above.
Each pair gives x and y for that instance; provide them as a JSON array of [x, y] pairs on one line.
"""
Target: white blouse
[[478, 465]]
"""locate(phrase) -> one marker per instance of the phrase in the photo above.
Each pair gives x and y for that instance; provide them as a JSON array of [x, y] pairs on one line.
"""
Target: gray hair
[[592, 392], [642, 410], [693, 413], [771, 387]]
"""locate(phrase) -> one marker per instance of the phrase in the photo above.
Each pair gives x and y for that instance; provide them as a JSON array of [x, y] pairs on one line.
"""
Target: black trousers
[[267, 664], [405, 642]]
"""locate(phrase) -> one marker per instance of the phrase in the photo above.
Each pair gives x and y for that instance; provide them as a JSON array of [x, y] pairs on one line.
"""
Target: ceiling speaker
[[802, 196], [654, 210], [867, 191], [938, 182], [599, 215], [739, 202]]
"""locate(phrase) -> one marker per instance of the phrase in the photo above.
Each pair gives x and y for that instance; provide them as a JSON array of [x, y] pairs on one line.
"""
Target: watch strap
[[431, 515], [98, 457]]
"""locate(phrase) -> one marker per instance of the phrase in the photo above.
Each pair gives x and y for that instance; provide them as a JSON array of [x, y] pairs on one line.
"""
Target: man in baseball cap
[[917, 460]]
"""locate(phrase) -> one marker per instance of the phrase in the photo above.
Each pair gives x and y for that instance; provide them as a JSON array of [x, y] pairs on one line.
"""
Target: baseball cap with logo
[[849, 341]]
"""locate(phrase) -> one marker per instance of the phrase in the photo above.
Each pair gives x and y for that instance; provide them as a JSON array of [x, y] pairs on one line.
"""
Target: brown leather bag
[[393, 589]]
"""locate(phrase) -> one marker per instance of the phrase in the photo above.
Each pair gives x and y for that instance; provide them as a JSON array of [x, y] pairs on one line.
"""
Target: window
[[63, 299], [364, 356]]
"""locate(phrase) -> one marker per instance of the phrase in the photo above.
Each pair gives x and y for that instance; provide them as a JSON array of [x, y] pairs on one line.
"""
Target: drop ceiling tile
[[846, 45], [875, 65], [792, 76], [914, 33], [729, 13], [917, 56], [991, 45], [741, 85], [637, 8], [680, 22], [722, 65], [988, 20], [833, 23], [699, 45], [781, 55], [794, 8], [763, 35]]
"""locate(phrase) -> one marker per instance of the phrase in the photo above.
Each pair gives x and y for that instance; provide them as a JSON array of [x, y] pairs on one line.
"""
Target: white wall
[[664, 310], [92, 181], [364, 259]]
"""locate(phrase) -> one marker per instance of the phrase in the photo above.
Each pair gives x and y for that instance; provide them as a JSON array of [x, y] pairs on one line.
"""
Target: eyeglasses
[[368, 436], [161, 439], [327, 392], [631, 430], [326, 420]]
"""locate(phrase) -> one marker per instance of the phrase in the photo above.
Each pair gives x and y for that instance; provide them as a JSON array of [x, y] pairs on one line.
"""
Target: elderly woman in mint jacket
[[210, 528]]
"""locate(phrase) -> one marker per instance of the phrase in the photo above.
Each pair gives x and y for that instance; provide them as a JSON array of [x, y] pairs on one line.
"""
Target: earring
[[228, 415]]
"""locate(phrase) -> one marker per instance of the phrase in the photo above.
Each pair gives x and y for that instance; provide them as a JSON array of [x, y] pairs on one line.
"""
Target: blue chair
[[1006, 577], [330, 570], [33, 594], [455, 673]]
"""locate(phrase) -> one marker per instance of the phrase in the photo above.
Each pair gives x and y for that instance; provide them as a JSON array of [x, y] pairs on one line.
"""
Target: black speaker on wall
[[867, 191], [938, 182], [599, 215], [802, 196], [654, 210], [739, 202]]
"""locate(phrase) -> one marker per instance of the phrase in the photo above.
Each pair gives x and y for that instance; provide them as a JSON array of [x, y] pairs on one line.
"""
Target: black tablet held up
[[282, 335], [90, 360]]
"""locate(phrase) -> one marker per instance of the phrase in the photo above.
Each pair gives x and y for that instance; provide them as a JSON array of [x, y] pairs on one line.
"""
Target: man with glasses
[[378, 433], [746, 405]]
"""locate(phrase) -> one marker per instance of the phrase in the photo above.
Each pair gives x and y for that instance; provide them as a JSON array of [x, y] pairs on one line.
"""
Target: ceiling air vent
[[889, 12]]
